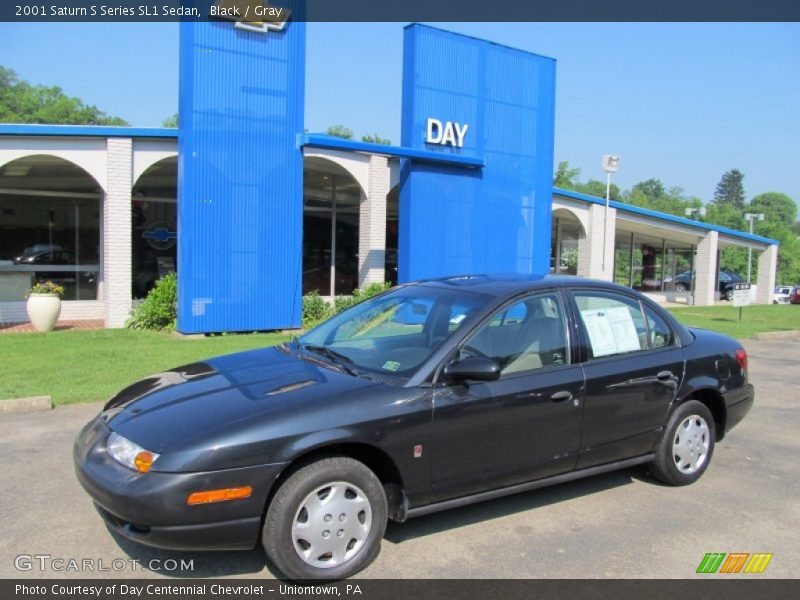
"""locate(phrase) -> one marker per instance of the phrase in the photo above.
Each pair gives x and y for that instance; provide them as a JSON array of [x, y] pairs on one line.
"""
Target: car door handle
[[561, 396], [665, 376]]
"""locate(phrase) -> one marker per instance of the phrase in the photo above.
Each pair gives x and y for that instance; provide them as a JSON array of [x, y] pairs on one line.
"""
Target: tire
[[676, 461], [305, 541], [681, 287]]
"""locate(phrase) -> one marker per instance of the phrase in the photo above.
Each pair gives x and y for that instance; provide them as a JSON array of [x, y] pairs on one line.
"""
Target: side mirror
[[476, 368]]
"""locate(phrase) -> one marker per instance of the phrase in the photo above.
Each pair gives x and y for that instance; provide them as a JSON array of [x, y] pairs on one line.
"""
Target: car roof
[[506, 284]]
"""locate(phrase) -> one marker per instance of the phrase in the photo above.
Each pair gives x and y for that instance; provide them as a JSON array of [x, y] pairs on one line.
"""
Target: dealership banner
[[260, 11], [407, 589]]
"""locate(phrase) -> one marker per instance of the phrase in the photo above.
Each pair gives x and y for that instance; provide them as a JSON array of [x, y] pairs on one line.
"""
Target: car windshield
[[394, 333]]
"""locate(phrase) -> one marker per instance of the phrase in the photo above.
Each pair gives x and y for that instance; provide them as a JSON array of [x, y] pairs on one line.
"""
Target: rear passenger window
[[661, 335], [613, 324]]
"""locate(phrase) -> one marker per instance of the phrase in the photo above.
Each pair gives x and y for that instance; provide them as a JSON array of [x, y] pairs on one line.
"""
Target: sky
[[681, 102]]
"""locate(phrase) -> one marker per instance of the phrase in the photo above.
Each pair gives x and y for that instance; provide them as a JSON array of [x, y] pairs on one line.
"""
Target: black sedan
[[430, 396]]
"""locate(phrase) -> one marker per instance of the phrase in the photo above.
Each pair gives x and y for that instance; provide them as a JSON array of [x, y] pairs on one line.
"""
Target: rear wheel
[[686, 447], [326, 521]]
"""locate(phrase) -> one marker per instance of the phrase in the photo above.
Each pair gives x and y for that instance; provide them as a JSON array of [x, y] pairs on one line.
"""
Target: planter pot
[[43, 310]]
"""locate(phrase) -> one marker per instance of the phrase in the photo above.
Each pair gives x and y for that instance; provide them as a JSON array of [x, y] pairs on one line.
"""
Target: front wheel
[[326, 520], [686, 447]]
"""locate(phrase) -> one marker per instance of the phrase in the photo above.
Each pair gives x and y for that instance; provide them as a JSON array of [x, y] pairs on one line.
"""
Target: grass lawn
[[755, 319], [88, 366]]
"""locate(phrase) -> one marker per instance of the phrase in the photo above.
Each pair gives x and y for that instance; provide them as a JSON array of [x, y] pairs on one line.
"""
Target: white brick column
[[117, 232], [767, 265], [372, 224], [706, 268], [590, 248]]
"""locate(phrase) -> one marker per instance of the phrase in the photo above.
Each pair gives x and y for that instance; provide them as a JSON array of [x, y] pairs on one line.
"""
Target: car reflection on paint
[[430, 396]]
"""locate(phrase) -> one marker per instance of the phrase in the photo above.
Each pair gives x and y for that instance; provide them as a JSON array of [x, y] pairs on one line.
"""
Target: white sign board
[[741, 297], [611, 330]]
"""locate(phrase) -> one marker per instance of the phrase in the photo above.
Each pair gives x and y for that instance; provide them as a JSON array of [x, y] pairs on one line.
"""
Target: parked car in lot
[[794, 296], [781, 294], [430, 396], [683, 282]]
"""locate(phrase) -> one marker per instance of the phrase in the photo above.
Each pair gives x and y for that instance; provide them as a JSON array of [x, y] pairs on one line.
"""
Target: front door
[[525, 425]]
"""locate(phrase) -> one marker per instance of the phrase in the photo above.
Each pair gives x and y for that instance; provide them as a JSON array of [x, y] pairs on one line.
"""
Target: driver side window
[[523, 336]]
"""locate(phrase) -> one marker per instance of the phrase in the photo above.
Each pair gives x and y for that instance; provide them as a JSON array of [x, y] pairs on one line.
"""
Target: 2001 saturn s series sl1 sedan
[[429, 396]]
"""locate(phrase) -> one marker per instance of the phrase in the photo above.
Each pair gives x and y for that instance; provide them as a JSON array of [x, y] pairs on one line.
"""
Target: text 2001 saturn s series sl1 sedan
[[430, 396]]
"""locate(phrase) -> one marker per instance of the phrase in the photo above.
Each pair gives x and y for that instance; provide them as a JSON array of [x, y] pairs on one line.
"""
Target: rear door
[[633, 368]]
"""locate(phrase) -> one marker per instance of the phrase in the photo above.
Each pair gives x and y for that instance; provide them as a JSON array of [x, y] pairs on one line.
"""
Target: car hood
[[209, 403]]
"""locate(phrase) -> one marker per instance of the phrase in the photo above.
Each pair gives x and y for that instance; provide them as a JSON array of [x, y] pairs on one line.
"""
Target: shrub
[[373, 289], [159, 310], [315, 309], [341, 303]]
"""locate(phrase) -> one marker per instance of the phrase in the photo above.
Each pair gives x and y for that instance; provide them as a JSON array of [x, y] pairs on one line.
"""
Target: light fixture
[[610, 165]]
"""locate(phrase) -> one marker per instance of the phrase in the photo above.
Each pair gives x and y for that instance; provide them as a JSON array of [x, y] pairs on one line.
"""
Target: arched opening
[[392, 229], [49, 227], [154, 225], [566, 234], [331, 207]]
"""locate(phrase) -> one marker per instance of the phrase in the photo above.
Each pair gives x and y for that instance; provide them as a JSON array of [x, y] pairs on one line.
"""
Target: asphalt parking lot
[[616, 525]]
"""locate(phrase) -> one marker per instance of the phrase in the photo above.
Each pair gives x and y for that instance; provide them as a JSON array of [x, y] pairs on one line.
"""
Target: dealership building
[[253, 212]]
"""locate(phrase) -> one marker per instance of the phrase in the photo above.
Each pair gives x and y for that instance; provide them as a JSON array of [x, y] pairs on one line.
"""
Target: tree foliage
[[171, 121], [376, 139], [340, 131], [21, 102], [730, 189]]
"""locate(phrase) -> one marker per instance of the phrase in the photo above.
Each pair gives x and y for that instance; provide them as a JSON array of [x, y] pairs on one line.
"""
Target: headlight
[[129, 454]]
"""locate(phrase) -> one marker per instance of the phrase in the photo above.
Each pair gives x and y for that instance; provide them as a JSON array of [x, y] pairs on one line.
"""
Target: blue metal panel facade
[[240, 177], [494, 219]]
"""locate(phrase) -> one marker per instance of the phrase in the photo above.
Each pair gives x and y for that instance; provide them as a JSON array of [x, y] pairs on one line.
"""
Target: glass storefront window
[[650, 264], [49, 238], [154, 237], [564, 246], [330, 254]]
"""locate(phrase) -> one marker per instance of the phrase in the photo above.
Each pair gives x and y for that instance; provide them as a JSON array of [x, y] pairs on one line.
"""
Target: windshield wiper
[[339, 359]]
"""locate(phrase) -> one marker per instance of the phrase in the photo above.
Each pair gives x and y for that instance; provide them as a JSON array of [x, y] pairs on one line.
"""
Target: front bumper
[[151, 508]]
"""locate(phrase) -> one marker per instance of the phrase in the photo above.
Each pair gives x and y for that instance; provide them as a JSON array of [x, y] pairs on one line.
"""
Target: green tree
[[565, 177], [780, 221], [730, 189], [171, 121], [376, 139], [597, 188], [340, 131], [778, 209], [21, 102]]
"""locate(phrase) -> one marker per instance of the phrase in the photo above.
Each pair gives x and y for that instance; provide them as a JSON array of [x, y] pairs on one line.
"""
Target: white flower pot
[[43, 310]]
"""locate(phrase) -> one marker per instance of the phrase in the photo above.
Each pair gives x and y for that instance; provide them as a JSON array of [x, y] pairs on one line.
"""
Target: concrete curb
[[25, 405], [776, 335]]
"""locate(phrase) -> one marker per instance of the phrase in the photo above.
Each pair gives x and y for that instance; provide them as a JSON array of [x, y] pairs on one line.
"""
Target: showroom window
[[154, 225], [49, 228], [331, 203]]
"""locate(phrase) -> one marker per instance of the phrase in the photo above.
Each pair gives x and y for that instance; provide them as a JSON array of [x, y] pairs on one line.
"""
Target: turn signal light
[[143, 461], [219, 495]]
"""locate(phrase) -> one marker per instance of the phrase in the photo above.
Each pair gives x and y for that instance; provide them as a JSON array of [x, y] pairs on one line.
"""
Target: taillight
[[741, 358]]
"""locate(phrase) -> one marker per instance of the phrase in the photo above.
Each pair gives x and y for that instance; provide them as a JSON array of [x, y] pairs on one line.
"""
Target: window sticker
[[391, 365], [611, 330]]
